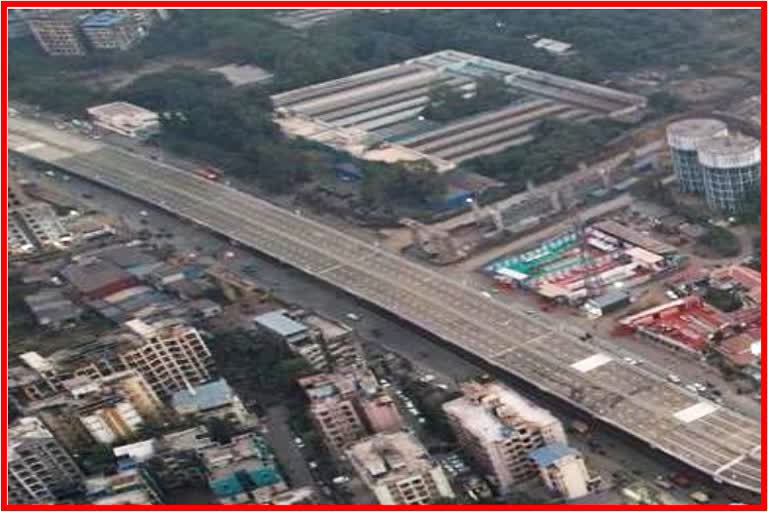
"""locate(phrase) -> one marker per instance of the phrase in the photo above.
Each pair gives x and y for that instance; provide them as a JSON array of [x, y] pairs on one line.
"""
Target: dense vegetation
[[447, 103], [208, 119], [558, 148], [405, 184]]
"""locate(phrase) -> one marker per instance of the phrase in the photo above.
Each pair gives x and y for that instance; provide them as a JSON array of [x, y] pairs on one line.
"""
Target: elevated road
[[716, 440]]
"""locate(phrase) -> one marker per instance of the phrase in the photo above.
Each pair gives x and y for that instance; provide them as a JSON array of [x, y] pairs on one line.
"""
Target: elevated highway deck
[[714, 439]]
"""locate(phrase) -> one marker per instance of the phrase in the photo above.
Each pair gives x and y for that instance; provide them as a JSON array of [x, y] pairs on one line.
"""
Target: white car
[[631, 361], [674, 379], [353, 317]]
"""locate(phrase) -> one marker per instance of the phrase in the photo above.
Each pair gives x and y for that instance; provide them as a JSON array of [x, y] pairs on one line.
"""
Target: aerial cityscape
[[384, 257]]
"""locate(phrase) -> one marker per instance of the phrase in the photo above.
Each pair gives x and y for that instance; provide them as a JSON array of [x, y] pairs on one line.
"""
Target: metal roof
[[203, 397], [279, 323]]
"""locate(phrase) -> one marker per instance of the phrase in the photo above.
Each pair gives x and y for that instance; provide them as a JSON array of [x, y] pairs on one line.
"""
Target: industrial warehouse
[[377, 115]]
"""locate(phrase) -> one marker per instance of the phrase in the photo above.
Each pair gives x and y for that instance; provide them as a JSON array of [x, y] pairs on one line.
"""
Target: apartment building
[[57, 31], [563, 470], [215, 399], [326, 344], [39, 469], [334, 410], [243, 471], [130, 486], [498, 429], [168, 354], [398, 470], [32, 225], [109, 30], [381, 414]]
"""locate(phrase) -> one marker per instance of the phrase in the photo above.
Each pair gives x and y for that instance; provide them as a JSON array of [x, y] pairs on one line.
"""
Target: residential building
[[130, 486], [59, 415], [57, 31], [398, 470], [32, 225], [327, 345], [126, 119], [168, 354], [333, 409], [243, 471], [563, 470], [39, 468], [211, 399], [110, 30], [109, 417], [497, 428], [381, 415], [341, 349]]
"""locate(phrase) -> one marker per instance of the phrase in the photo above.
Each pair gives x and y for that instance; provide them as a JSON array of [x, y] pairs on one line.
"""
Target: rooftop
[[203, 397], [122, 110], [696, 128], [279, 323], [730, 145], [551, 453], [389, 456], [103, 19], [490, 410]]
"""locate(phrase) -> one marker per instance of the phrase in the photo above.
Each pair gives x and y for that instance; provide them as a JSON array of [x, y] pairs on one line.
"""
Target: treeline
[[447, 103], [558, 148]]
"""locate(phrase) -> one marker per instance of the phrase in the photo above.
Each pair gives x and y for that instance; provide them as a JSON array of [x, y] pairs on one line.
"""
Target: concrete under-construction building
[[58, 30]]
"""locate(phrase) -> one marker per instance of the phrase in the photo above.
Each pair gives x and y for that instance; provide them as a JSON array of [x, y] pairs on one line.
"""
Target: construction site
[[377, 115], [584, 262]]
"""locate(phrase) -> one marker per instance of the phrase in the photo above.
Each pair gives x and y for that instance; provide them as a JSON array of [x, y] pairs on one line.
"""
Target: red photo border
[[394, 4]]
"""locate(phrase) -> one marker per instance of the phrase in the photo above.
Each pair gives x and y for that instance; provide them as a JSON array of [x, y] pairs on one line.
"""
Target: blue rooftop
[[279, 323], [102, 19], [546, 455], [205, 396]]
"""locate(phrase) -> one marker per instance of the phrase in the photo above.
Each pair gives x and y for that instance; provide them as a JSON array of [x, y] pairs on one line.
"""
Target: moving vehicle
[[674, 379], [210, 173]]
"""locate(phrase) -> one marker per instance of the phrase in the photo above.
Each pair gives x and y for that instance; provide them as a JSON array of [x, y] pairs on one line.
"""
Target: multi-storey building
[[129, 486], [104, 410], [168, 354], [333, 408], [398, 470], [563, 470], [243, 471], [32, 225], [327, 345], [498, 429], [57, 31], [212, 399], [109, 30], [381, 414], [39, 469]]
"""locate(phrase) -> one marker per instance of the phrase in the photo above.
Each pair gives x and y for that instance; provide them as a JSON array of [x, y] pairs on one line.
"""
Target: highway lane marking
[[382, 278]]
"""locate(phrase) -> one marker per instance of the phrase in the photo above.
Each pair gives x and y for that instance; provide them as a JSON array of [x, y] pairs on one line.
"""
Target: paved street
[[280, 438], [714, 439]]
